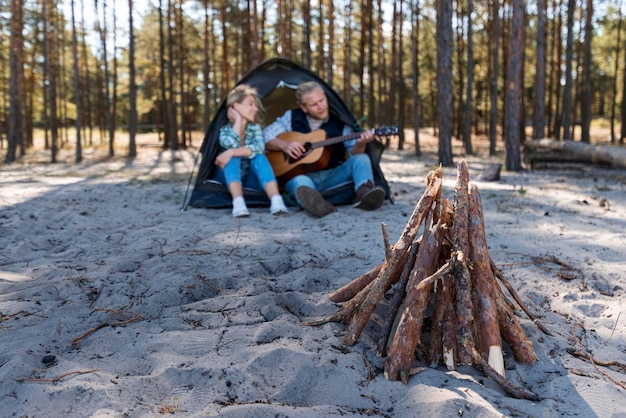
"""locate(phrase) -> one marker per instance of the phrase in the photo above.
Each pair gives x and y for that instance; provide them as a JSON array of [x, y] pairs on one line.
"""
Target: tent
[[276, 81]]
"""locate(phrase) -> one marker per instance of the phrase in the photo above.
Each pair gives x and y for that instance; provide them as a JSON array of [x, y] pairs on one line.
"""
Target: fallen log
[[574, 151], [447, 266]]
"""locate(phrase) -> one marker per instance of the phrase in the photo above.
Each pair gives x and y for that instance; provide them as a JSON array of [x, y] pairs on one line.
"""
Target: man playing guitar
[[346, 160]]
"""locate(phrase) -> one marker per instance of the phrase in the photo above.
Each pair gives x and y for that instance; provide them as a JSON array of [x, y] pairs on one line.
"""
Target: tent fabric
[[276, 81]]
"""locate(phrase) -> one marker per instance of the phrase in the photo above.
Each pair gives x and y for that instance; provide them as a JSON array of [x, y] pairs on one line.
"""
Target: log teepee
[[449, 305]]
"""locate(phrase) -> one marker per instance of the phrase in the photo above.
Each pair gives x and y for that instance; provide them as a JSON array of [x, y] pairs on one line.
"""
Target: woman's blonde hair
[[239, 93]]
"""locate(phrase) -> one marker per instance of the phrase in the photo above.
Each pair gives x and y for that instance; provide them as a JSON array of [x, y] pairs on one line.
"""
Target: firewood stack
[[448, 303]]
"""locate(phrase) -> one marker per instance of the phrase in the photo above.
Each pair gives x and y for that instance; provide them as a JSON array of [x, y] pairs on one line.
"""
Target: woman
[[243, 161]]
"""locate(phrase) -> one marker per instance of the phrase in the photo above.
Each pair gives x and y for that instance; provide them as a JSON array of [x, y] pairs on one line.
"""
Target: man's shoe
[[313, 202], [369, 197]]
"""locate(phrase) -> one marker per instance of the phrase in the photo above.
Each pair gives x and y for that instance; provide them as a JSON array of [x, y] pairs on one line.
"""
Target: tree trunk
[[444, 80], [616, 50], [77, 91], [493, 84], [513, 88], [540, 73], [15, 132], [132, 87], [415, 73], [586, 93], [567, 89], [574, 151], [469, 104]]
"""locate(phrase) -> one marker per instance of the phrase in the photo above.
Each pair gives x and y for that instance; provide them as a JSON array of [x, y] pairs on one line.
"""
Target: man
[[348, 160]]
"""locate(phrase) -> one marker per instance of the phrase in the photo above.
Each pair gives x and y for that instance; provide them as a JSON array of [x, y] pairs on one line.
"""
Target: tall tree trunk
[[558, 65], [347, 54], [15, 131], [371, 36], [513, 89], [51, 75], [132, 86], [415, 13], [493, 84], [614, 81], [77, 91], [444, 80], [206, 68], [540, 73], [400, 83], [567, 91], [162, 111], [306, 36], [331, 44], [86, 85], [469, 104], [585, 111], [321, 39], [113, 81], [181, 75], [171, 104]]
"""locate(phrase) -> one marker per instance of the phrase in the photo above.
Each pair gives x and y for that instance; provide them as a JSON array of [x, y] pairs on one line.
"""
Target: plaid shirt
[[253, 138]]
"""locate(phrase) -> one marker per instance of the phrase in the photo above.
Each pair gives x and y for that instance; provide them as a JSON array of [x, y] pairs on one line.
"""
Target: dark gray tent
[[276, 81]]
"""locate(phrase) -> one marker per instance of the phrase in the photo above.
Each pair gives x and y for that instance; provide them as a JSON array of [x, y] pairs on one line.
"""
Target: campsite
[[114, 302]]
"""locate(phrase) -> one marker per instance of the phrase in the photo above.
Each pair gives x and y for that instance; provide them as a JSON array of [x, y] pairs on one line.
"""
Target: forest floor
[[114, 302]]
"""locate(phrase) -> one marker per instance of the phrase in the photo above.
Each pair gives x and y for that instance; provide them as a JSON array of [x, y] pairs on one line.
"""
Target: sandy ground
[[114, 303]]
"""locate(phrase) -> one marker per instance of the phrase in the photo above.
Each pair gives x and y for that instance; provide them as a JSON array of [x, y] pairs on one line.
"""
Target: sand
[[115, 303]]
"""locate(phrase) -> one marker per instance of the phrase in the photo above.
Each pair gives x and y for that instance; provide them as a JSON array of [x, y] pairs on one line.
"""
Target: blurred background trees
[[82, 70]]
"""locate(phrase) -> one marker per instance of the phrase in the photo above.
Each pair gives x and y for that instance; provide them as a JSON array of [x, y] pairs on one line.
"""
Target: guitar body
[[315, 159], [317, 155]]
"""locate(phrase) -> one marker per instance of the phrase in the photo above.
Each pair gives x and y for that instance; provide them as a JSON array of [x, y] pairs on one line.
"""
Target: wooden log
[[409, 330], [486, 312], [581, 151], [514, 335], [448, 338], [435, 346], [463, 301], [367, 303], [396, 302], [348, 291], [507, 385]]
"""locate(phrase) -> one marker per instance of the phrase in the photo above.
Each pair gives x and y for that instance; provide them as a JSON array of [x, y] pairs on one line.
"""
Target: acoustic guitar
[[316, 155]]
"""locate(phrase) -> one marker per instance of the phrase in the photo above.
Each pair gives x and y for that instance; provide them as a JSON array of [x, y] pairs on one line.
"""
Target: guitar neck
[[335, 140]]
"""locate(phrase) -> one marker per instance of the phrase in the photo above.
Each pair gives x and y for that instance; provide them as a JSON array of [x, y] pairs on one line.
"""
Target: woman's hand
[[224, 158], [232, 115]]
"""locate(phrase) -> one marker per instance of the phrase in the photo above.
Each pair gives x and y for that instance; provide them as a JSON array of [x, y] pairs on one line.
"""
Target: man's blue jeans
[[252, 173], [357, 169]]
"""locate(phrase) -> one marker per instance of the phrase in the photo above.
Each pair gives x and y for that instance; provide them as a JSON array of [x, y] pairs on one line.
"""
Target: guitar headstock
[[386, 130]]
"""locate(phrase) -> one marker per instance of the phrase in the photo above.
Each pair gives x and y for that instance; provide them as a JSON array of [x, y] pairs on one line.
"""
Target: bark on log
[[581, 151], [348, 291], [463, 302], [448, 339], [384, 280], [396, 302], [409, 331], [487, 327]]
